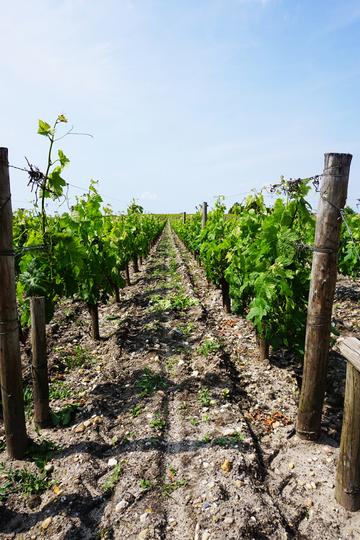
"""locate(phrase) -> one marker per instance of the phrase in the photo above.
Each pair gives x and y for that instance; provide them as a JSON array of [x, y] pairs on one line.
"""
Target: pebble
[[205, 464], [80, 428], [46, 523], [226, 466], [143, 535], [143, 517], [229, 521], [49, 467], [112, 462], [291, 466], [205, 535], [121, 505]]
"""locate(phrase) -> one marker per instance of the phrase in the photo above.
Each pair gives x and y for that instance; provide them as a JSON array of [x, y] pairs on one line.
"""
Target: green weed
[[65, 416], [204, 397], [41, 452], [145, 484], [80, 357], [136, 410], [23, 481], [228, 440], [113, 478], [59, 390], [150, 382], [208, 346], [158, 422]]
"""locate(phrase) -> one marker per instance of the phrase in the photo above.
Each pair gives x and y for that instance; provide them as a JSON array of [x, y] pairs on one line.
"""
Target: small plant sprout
[[145, 484], [114, 477], [208, 346], [136, 410], [204, 397], [158, 423]]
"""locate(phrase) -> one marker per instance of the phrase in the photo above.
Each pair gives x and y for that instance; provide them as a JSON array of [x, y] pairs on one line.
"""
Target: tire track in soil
[[239, 396]]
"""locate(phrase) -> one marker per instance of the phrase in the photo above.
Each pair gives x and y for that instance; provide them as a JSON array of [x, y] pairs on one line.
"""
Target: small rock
[[121, 505], [49, 467], [46, 523], [205, 535], [143, 517], [112, 462], [291, 466], [229, 520], [226, 466], [143, 535], [276, 425], [205, 464], [308, 503]]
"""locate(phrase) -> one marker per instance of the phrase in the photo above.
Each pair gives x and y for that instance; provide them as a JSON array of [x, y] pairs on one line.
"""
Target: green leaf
[[44, 128], [63, 158]]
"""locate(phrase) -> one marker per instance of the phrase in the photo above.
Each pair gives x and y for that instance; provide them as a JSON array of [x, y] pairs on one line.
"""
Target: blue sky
[[185, 99]]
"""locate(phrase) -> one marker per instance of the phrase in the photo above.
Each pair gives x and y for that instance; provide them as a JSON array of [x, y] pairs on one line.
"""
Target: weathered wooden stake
[[347, 489], [323, 279], [184, 217], [204, 214], [40, 379], [225, 291], [10, 361], [136, 264], [94, 313], [264, 348], [127, 275], [117, 294]]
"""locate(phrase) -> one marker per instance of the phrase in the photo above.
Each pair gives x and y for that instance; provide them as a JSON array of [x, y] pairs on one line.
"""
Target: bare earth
[[174, 439]]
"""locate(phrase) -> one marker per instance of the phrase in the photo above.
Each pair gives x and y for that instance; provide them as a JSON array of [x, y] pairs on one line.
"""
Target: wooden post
[[94, 313], [264, 348], [323, 279], [136, 264], [10, 361], [127, 275], [184, 217], [117, 294], [39, 363], [204, 214], [347, 489], [225, 291]]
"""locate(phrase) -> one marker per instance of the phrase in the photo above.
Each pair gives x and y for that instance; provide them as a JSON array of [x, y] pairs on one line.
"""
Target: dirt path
[[182, 433]]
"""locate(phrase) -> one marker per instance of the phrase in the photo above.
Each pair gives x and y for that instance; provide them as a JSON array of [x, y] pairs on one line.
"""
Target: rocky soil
[[174, 429]]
